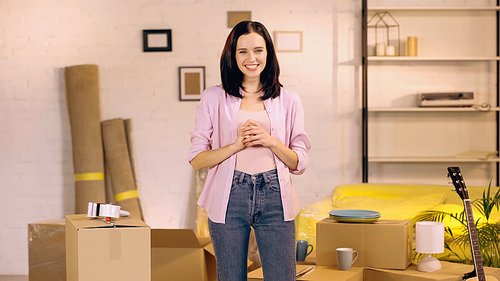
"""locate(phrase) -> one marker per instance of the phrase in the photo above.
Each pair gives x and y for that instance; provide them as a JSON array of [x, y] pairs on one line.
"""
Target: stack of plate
[[354, 215]]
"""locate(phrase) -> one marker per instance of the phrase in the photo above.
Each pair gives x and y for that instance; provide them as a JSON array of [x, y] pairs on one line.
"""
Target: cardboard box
[[381, 244], [98, 251], [47, 251], [177, 254], [449, 272], [320, 273]]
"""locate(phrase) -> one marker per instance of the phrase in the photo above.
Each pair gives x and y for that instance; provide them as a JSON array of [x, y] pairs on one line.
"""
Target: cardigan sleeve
[[299, 140], [201, 136]]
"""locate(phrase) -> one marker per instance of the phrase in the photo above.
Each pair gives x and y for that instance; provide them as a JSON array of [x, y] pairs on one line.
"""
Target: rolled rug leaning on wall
[[118, 162], [82, 96]]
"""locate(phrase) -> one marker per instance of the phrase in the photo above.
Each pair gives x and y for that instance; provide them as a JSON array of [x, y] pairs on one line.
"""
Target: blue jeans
[[255, 200]]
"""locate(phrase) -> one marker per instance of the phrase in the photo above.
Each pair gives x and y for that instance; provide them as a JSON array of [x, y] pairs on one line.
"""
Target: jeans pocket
[[273, 183], [236, 183]]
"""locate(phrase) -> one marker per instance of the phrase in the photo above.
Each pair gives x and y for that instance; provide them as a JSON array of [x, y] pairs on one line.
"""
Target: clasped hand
[[252, 134]]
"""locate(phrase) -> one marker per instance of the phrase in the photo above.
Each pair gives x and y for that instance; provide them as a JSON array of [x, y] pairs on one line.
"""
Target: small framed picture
[[157, 40], [235, 17], [191, 82], [288, 41]]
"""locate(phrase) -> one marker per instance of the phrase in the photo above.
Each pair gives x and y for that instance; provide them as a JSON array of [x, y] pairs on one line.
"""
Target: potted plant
[[457, 243]]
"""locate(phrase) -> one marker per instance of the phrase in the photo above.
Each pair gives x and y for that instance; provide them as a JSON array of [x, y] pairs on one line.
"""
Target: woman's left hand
[[254, 135]]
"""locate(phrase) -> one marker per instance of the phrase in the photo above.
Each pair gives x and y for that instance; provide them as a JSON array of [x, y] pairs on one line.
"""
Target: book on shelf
[[478, 154]]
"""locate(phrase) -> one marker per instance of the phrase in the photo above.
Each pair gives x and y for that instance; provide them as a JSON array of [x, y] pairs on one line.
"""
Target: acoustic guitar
[[478, 273]]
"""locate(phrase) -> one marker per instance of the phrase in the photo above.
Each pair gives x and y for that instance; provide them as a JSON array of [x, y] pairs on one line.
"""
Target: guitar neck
[[476, 251], [459, 184]]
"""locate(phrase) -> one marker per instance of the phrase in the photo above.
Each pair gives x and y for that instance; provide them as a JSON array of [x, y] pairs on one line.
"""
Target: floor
[[13, 278]]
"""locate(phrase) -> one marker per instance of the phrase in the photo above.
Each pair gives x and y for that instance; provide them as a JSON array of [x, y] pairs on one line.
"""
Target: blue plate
[[354, 215]]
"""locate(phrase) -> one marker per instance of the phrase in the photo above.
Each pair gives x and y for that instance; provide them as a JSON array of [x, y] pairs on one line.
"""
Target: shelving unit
[[372, 58], [431, 109], [474, 119], [432, 8], [429, 159]]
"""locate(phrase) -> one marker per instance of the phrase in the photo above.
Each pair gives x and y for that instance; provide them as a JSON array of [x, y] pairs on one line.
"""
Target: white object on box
[[429, 240], [96, 210]]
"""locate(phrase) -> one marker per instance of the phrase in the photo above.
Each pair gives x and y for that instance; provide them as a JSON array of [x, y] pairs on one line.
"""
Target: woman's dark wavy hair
[[231, 75]]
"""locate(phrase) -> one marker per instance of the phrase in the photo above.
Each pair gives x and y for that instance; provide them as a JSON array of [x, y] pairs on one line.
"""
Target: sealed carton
[[96, 250], [449, 272], [177, 254], [381, 244], [319, 273], [47, 251]]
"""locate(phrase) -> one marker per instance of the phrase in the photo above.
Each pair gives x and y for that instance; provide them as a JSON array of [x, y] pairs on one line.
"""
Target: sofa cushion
[[393, 201]]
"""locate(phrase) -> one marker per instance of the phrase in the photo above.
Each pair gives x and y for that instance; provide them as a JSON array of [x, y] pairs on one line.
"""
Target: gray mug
[[302, 250], [346, 257]]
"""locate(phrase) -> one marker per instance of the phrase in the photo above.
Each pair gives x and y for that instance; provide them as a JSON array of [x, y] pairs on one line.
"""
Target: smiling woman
[[250, 132], [251, 55], [232, 79]]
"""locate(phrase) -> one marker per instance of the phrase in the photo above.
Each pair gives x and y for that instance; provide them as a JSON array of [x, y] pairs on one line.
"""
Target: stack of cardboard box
[[384, 244], [385, 250], [83, 248]]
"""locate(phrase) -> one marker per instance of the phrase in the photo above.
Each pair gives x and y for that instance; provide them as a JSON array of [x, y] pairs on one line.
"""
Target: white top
[[255, 159]]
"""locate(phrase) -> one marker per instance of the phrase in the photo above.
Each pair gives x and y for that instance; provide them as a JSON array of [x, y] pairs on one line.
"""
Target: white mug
[[345, 258]]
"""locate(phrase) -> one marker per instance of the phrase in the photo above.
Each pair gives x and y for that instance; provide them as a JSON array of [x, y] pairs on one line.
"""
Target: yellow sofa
[[393, 201]]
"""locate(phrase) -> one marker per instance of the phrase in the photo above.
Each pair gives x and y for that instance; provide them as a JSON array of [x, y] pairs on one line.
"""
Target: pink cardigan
[[216, 126]]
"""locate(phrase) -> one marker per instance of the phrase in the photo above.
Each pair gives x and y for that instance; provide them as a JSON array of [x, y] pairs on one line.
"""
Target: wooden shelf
[[444, 61], [431, 109], [450, 159], [429, 8], [404, 58]]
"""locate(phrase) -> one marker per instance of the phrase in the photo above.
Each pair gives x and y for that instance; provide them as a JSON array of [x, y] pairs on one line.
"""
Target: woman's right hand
[[238, 143], [209, 158]]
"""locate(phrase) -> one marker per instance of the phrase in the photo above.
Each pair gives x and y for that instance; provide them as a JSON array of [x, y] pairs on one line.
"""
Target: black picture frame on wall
[[157, 40]]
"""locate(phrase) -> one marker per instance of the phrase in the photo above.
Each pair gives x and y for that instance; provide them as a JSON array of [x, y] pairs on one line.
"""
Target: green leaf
[[457, 243]]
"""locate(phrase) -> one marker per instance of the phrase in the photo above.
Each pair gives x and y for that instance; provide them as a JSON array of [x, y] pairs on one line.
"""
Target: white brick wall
[[39, 38]]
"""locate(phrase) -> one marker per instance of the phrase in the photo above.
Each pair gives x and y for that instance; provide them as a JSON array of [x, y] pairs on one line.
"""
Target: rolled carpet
[[82, 96], [118, 163], [128, 133]]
